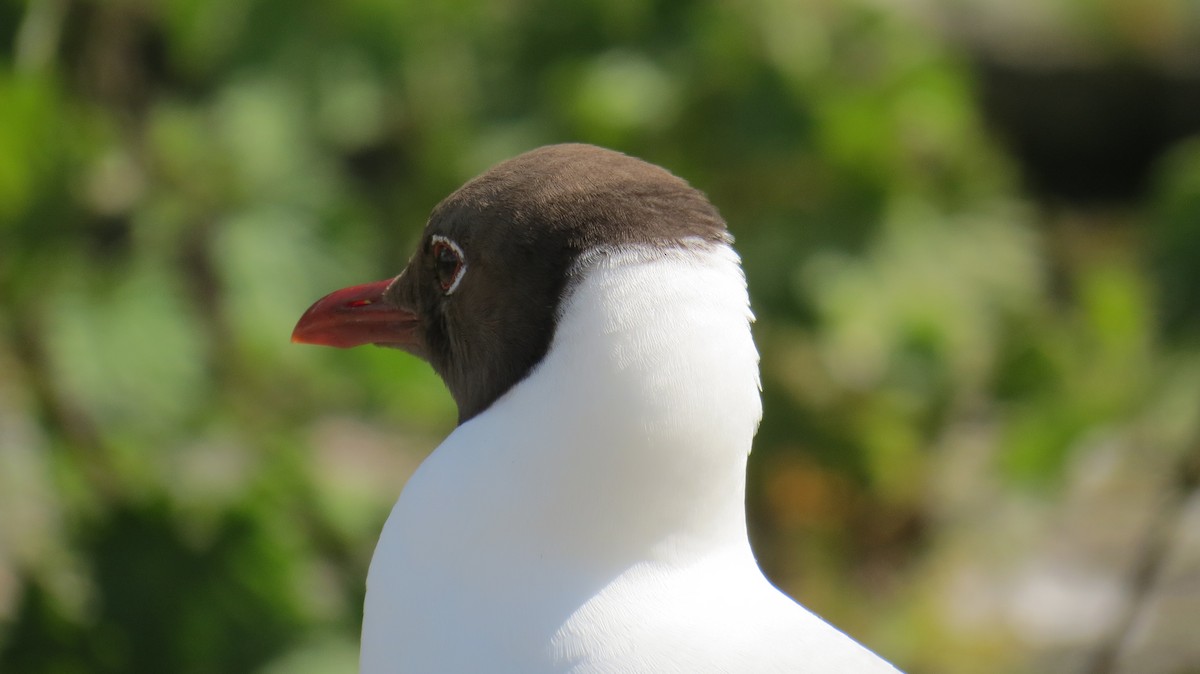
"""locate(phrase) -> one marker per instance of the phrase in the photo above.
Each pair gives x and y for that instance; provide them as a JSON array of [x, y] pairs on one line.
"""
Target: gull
[[589, 316]]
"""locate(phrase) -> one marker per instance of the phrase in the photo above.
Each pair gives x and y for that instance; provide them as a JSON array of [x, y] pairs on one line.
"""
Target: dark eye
[[448, 263]]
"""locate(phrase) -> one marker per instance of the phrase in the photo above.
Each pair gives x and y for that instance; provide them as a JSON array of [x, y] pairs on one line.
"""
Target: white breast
[[592, 520]]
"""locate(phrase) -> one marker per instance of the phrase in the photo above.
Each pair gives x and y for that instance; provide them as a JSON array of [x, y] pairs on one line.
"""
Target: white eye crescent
[[449, 263]]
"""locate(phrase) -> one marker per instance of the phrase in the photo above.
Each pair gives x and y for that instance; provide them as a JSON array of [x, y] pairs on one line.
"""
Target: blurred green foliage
[[181, 490]]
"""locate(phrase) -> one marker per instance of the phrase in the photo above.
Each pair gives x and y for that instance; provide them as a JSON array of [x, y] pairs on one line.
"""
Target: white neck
[[631, 437], [627, 444]]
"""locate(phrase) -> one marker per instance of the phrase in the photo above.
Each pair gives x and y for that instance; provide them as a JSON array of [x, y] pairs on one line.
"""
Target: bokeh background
[[971, 230]]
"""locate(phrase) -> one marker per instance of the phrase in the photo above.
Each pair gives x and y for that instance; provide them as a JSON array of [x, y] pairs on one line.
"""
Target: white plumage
[[592, 519]]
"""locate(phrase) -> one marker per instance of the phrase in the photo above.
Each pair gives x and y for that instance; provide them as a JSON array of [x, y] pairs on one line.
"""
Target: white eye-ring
[[449, 263]]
